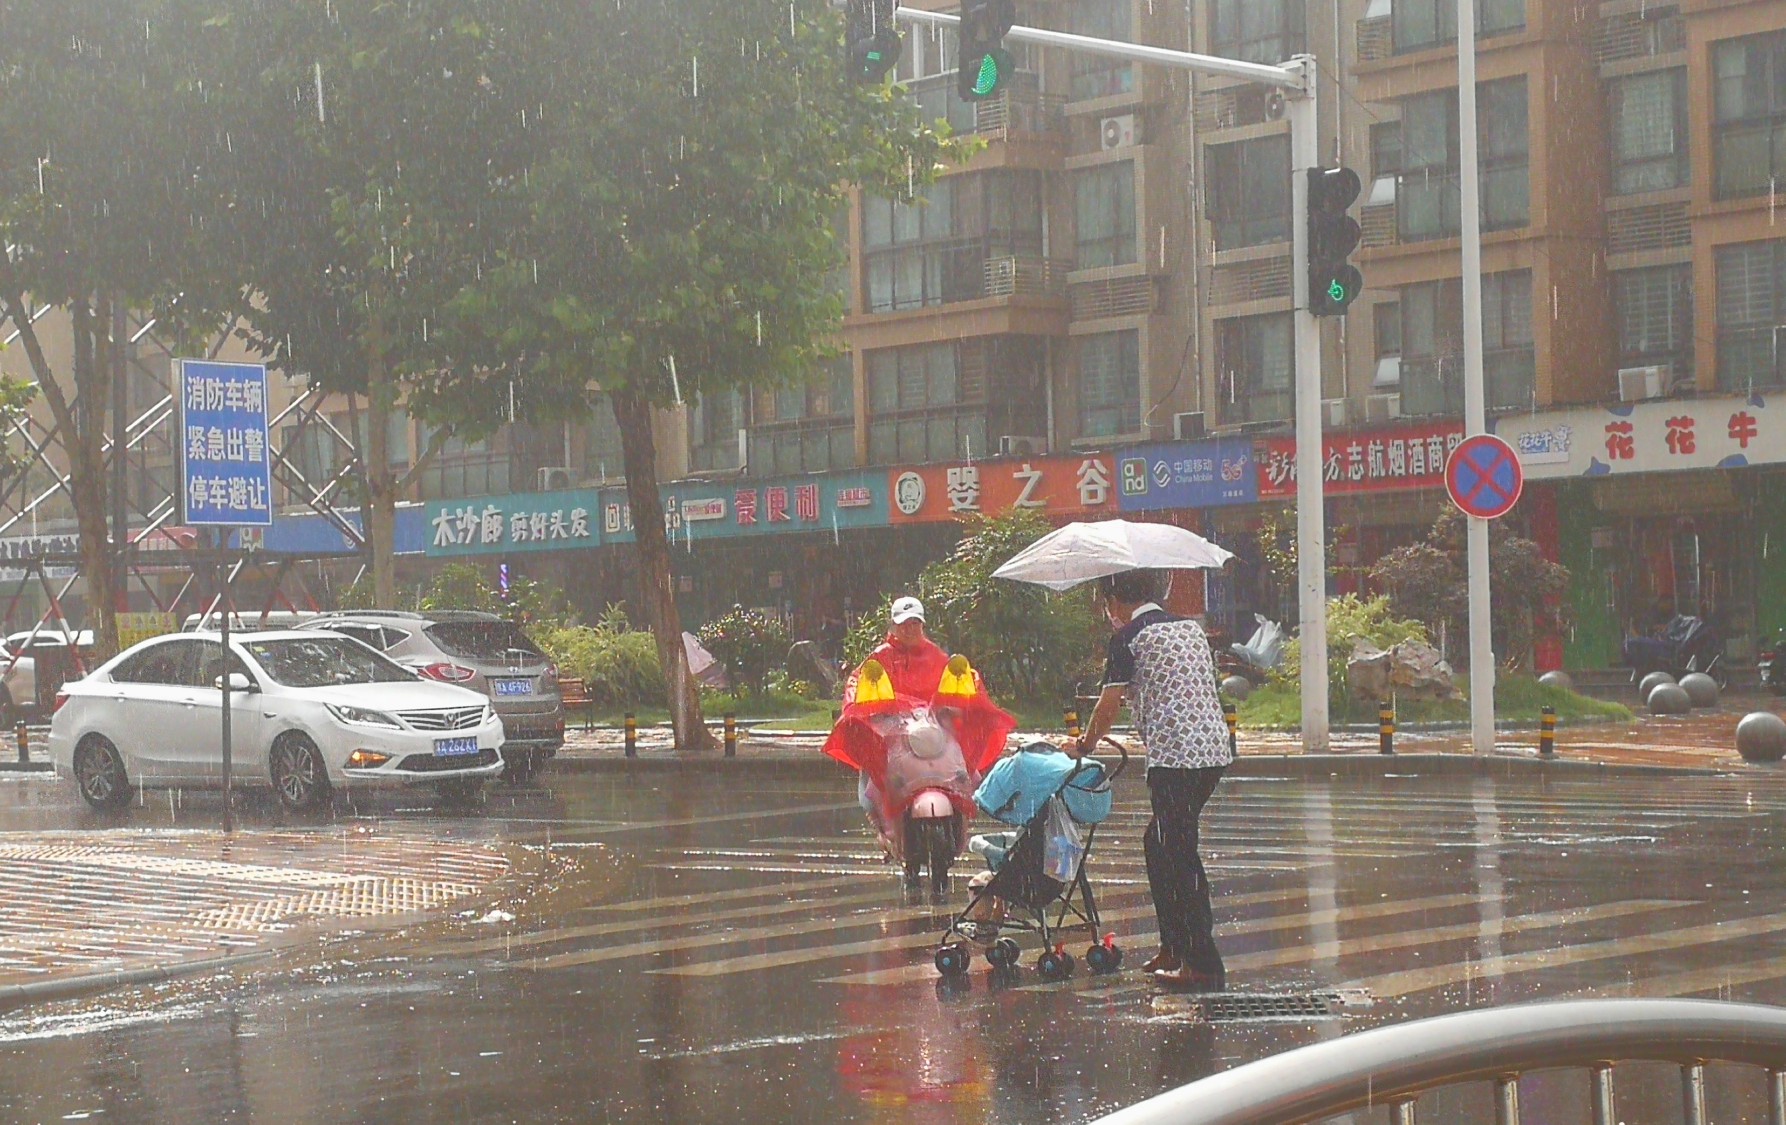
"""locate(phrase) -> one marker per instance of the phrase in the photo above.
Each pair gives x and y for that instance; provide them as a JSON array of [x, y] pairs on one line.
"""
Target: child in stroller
[[1056, 803]]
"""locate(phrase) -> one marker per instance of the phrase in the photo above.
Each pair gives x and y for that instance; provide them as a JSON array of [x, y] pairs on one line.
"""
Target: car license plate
[[514, 687], [455, 747]]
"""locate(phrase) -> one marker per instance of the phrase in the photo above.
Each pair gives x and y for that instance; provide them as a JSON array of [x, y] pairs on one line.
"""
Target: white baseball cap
[[905, 609]]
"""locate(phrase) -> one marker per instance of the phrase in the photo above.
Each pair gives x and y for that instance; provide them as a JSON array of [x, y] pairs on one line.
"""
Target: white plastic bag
[[1064, 845]]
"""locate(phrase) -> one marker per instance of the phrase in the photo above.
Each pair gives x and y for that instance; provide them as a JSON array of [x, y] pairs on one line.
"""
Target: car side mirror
[[238, 683]]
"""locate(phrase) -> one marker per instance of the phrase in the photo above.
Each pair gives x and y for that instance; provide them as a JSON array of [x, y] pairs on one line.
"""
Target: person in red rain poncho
[[907, 675]]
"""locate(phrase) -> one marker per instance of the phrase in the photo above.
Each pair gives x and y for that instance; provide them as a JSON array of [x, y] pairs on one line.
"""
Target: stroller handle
[[1122, 763]]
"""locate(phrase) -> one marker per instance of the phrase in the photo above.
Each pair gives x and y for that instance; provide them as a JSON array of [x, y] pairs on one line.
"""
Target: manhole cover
[[1237, 1007]]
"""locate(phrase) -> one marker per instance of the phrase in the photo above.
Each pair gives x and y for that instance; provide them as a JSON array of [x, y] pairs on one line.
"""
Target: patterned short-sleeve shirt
[[1169, 671]]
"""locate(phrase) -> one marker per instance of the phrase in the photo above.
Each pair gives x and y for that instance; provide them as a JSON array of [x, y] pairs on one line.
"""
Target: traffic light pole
[[1297, 79]]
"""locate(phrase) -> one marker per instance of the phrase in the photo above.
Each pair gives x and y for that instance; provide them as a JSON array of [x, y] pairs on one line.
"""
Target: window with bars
[[934, 249], [925, 403], [1749, 115], [1649, 131], [813, 426], [603, 456], [1386, 326], [713, 426], [1752, 315], [1420, 24], [1432, 344], [1110, 384], [1262, 31], [1428, 199], [1105, 213], [1654, 313], [1248, 191], [1256, 359]]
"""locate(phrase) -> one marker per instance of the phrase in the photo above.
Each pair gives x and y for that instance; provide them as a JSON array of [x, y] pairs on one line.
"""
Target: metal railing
[[1392, 1066]]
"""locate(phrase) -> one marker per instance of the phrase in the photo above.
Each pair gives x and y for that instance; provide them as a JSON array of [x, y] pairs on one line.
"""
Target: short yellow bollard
[[632, 736], [1547, 733], [731, 735], [1385, 728], [1072, 721], [1232, 718], [24, 738]]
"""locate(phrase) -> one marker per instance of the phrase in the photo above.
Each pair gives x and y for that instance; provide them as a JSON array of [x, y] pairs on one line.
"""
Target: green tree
[[109, 157], [678, 239], [751, 644], [1429, 582]]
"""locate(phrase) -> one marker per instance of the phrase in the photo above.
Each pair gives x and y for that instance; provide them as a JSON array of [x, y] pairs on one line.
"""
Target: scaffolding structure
[[141, 459]]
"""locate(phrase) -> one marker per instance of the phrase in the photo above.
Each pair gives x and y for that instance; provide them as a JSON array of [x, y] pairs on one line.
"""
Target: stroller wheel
[[1103, 959], [952, 960], [1003, 953], [1055, 965]]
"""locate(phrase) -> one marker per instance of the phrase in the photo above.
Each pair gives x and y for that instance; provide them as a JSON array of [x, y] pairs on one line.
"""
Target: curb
[[62, 988], [27, 767], [1362, 764]]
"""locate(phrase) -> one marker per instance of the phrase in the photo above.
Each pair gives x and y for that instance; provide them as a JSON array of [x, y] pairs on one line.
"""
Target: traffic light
[[1333, 282], [986, 67], [874, 42]]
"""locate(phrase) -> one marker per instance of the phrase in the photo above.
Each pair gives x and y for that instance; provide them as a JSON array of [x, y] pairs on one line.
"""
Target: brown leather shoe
[[1164, 959], [1190, 980]]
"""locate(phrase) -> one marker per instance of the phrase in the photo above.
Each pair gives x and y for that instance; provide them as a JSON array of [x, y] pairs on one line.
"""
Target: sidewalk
[[83, 911], [1704, 741]]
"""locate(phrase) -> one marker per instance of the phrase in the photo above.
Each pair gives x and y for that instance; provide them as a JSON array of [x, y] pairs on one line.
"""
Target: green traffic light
[[988, 78], [1336, 291]]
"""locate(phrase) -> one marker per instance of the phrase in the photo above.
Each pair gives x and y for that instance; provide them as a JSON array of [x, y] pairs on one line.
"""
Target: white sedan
[[309, 713]]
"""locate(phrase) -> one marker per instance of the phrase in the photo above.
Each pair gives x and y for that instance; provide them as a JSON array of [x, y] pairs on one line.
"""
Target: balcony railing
[[940, 273], [1022, 109]]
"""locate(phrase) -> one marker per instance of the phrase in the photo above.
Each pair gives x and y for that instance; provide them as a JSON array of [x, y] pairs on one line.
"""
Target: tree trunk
[[639, 451], [84, 442]]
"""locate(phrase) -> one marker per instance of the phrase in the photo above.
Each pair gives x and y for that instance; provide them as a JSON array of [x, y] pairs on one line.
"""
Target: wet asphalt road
[[717, 948]]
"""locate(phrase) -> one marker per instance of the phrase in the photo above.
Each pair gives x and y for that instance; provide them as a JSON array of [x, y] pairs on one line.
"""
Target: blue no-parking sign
[[1484, 477], [225, 464]]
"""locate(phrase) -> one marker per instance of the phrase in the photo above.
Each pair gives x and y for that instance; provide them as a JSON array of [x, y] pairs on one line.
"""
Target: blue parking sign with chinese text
[[225, 465]]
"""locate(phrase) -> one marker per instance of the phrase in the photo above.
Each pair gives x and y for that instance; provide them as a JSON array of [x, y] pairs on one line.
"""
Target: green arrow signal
[[1336, 290], [987, 80]]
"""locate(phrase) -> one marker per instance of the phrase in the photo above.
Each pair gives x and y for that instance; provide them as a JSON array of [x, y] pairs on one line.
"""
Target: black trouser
[[1175, 870]]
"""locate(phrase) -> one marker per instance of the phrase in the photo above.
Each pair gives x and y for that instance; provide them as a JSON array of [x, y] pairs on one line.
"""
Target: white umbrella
[[1080, 552]]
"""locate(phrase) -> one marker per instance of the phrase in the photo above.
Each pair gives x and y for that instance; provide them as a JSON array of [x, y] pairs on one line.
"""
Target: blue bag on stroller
[[1028, 790]]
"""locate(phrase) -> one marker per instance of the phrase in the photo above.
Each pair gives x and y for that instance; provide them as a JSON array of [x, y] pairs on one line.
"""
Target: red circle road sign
[[1483, 477]]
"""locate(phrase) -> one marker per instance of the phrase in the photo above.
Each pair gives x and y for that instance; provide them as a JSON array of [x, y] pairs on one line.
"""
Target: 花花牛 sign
[[521, 522], [1648, 437], [225, 467]]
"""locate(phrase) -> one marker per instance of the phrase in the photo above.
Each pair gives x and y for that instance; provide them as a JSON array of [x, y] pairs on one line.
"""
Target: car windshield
[[309, 662], [483, 640]]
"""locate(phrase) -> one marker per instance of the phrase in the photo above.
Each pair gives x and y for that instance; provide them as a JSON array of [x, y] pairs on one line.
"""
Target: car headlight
[[364, 716]]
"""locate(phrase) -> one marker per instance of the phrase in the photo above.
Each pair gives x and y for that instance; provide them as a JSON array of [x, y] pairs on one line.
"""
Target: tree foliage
[[1350, 618], [751, 644], [1429, 581]]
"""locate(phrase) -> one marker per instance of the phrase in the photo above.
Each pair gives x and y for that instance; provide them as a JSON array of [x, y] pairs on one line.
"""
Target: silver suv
[[480, 651]]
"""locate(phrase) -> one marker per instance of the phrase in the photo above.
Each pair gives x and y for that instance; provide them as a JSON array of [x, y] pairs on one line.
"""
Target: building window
[[1386, 149], [604, 457], [1654, 311], [1752, 316], [1106, 215], [465, 468], [934, 249], [1096, 76], [1256, 357], [1432, 365], [713, 426], [814, 427], [1386, 324], [1749, 131], [1263, 31], [1110, 384], [1428, 200], [1420, 24], [1249, 192], [1649, 131], [925, 404]]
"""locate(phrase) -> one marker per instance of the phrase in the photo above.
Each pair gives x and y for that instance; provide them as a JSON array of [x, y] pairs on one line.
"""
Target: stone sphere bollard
[[1761, 737], [1237, 688], [1669, 699], [1558, 679], [1649, 682], [1700, 688]]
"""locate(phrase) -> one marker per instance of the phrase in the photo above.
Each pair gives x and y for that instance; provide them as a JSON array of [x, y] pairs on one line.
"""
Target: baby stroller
[[1056, 804], [1687, 644]]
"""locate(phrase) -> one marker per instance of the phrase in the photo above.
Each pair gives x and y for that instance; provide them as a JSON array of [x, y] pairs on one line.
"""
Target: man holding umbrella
[[1162, 665]]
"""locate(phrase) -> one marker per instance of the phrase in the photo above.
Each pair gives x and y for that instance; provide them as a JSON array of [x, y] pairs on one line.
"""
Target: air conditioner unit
[[1017, 445], [1382, 408], [1117, 132], [1191, 426], [1333, 413], [1639, 383], [556, 478]]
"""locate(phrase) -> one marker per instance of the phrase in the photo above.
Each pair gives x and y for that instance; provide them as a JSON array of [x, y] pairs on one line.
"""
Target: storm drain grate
[[1235, 1007]]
